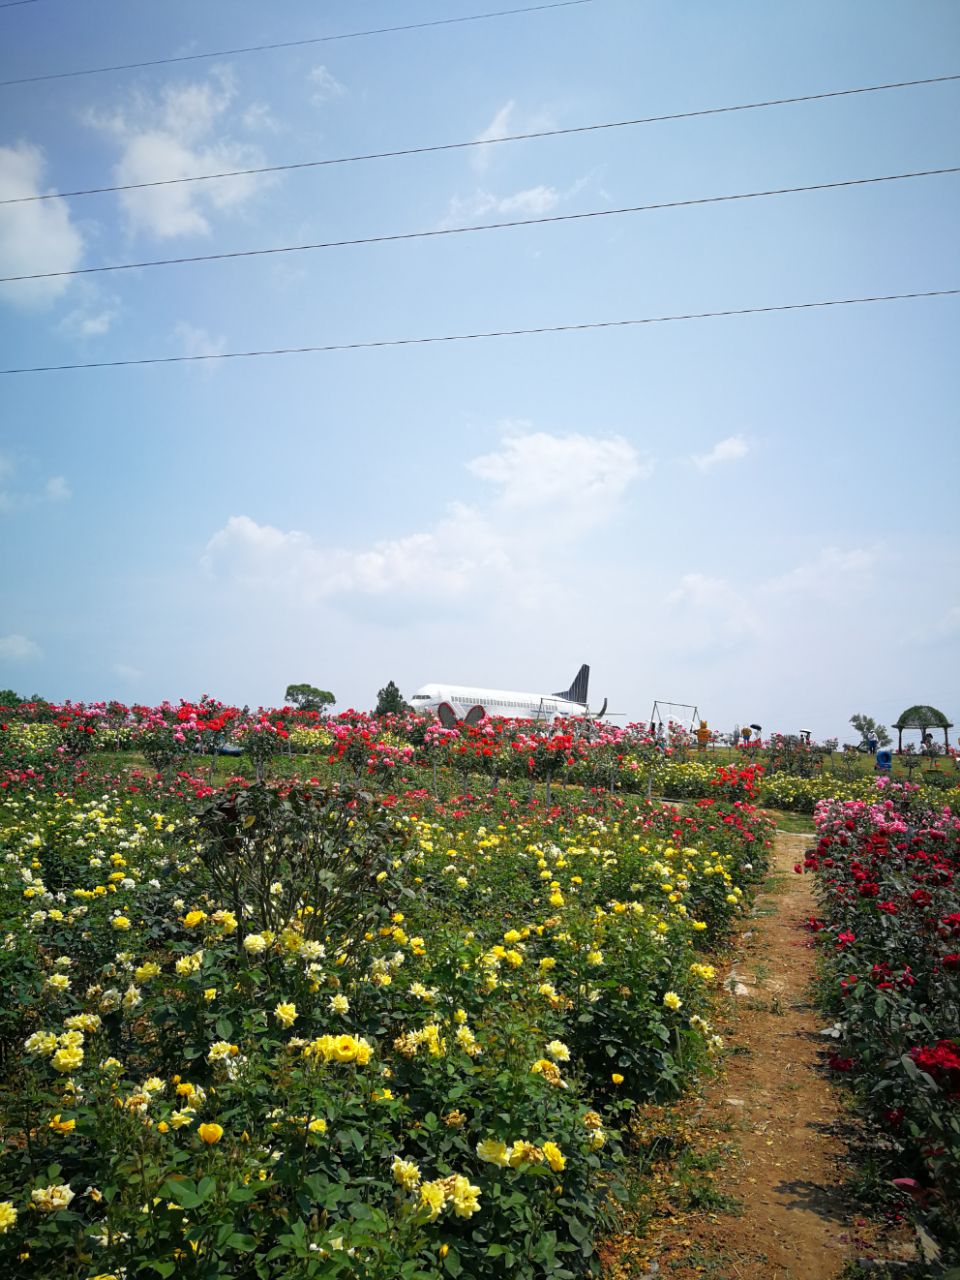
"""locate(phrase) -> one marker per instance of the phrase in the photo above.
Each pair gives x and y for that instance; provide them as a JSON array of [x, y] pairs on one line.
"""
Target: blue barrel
[[885, 759]]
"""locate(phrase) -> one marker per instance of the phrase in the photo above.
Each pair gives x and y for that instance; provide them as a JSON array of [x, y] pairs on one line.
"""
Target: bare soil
[[778, 1208]]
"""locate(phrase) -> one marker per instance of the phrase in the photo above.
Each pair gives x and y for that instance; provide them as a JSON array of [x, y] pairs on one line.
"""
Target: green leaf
[[452, 1263], [182, 1193], [244, 1243], [239, 1195]]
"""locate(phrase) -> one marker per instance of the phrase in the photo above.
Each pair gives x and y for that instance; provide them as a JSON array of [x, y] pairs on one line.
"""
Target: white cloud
[[532, 202], [711, 610], [946, 627], [443, 561], [33, 237], [176, 136], [17, 648], [571, 474], [547, 490], [93, 318], [126, 672], [499, 127], [832, 572], [324, 86], [195, 341], [728, 450], [258, 118], [707, 610], [18, 498]]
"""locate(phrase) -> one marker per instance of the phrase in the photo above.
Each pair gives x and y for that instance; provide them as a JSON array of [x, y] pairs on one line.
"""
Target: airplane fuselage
[[495, 702]]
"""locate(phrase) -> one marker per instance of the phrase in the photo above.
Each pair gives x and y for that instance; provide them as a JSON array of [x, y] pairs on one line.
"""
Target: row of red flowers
[[888, 928]]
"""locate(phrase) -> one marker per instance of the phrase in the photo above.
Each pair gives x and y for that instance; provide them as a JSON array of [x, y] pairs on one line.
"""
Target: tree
[[868, 728], [307, 697], [389, 701], [9, 699]]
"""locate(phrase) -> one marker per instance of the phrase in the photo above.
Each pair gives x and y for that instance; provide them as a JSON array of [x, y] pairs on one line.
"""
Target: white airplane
[[455, 702]]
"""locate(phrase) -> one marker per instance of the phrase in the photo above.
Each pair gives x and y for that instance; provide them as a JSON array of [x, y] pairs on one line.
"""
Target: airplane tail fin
[[578, 690]]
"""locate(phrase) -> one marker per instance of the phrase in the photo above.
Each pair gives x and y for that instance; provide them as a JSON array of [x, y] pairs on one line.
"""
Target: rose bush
[[889, 935], [293, 1030]]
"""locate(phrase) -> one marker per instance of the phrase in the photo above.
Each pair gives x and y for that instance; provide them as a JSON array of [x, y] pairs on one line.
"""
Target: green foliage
[[307, 697], [868, 728], [278, 990], [268, 850], [390, 701]]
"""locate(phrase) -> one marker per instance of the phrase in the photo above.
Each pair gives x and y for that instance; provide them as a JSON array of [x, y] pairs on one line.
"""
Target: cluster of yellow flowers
[[427, 1037], [454, 1191], [53, 1198], [520, 1153], [344, 1049]]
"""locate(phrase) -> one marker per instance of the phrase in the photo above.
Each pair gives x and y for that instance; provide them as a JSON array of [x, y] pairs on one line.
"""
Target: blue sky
[[757, 515]]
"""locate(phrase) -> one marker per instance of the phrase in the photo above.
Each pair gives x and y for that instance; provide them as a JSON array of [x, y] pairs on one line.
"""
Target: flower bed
[[404, 751], [888, 875], [288, 1031]]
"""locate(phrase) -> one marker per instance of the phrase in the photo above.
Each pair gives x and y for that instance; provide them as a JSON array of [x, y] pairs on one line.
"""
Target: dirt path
[[775, 1108]]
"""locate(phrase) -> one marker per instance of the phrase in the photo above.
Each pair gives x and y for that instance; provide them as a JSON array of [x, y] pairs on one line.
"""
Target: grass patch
[[800, 824]]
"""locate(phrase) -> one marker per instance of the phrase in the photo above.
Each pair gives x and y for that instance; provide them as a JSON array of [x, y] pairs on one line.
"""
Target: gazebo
[[922, 718]]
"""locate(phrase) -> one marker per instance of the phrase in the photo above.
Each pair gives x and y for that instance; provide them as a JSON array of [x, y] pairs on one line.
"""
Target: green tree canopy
[[389, 701], [868, 728], [307, 697]]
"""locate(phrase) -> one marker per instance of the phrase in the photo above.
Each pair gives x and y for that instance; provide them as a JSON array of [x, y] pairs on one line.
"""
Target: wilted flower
[[51, 1199]]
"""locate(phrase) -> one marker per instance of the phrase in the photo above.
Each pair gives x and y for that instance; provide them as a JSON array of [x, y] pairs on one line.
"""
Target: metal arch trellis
[[659, 706]]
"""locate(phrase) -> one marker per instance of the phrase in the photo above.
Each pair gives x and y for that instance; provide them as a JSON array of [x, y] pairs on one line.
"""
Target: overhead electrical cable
[[480, 142], [400, 236], [15, 4], [295, 44], [372, 344]]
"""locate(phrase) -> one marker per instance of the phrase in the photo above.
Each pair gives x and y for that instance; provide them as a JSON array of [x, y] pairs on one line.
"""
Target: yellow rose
[[210, 1133], [490, 1151], [286, 1014], [344, 1048], [554, 1157], [68, 1059]]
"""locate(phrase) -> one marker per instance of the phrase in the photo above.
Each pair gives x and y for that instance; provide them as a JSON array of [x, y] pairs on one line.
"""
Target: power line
[[14, 4], [399, 236], [496, 333], [481, 142], [295, 44]]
